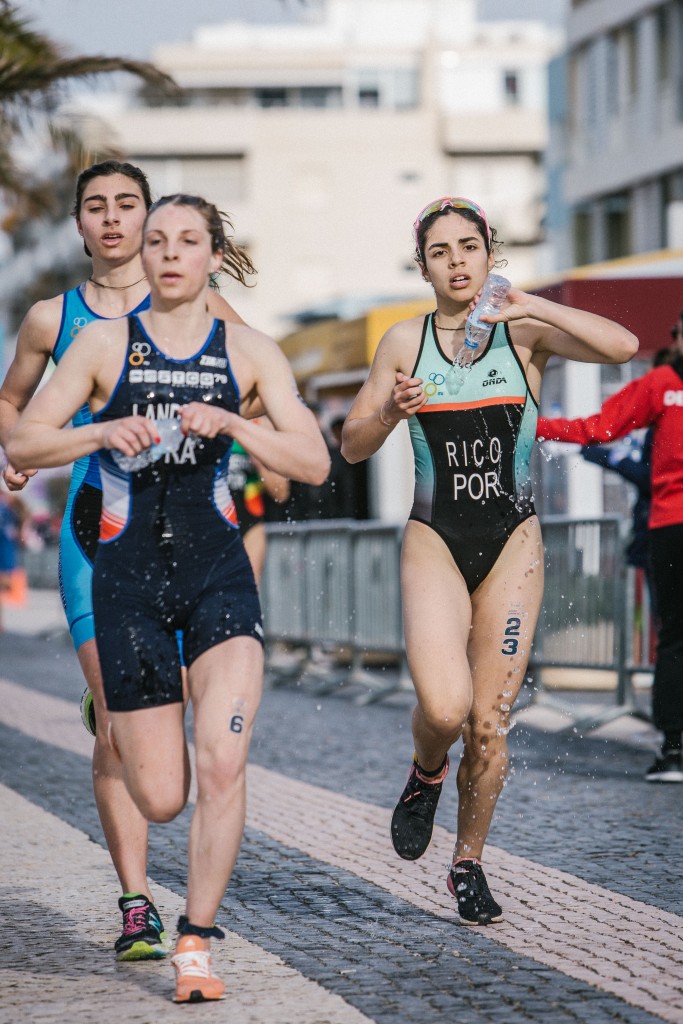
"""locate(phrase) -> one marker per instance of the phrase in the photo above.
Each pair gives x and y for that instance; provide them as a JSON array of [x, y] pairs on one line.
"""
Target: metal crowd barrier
[[587, 617], [333, 587], [41, 566], [331, 594]]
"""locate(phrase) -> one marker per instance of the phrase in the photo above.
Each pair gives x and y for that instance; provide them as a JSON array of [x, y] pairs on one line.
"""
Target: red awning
[[648, 306]]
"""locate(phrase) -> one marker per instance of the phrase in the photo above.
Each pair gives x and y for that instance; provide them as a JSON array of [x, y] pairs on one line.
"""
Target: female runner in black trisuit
[[170, 555], [472, 561]]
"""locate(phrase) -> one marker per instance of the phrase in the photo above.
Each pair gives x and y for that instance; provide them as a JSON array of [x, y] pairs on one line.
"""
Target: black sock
[[431, 775]]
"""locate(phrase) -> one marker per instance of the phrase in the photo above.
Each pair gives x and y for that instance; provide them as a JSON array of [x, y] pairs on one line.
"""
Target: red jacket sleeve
[[634, 406]]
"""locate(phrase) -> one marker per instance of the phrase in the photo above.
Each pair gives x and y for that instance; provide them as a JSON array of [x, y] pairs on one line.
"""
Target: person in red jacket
[[654, 400]]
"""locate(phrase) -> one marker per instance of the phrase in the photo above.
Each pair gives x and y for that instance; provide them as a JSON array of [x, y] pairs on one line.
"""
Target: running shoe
[[412, 822], [143, 936], [88, 711], [476, 905], [194, 982], [666, 768]]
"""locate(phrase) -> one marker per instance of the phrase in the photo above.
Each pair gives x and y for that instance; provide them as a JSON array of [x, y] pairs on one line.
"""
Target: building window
[[368, 96], [617, 226], [663, 44], [271, 97], [320, 96], [573, 91], [612, 73], [511, 87], [583, 242], [406, 88], [630, 37]]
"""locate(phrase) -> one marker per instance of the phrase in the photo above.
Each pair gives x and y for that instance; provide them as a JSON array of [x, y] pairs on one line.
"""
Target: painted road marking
[[44, 918], [609, 941]]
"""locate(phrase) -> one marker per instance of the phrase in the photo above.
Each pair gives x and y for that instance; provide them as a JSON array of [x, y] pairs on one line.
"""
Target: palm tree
[[33, 72]]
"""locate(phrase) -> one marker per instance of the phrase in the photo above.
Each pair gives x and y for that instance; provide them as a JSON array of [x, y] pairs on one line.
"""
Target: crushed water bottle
[[493, 295], [170, 438]]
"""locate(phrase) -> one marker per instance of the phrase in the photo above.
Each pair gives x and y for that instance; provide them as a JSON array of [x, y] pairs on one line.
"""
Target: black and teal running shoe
[[143, 936]]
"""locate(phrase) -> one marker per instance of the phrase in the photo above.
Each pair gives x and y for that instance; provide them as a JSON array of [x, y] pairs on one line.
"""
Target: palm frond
[[33, 71], [21, 79]]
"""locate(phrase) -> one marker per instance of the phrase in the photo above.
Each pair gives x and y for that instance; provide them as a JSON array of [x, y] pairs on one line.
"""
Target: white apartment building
[[323, 140]]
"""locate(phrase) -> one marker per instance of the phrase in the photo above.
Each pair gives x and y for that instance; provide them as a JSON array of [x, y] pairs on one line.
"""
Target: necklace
[[117, 287], [440, 328]]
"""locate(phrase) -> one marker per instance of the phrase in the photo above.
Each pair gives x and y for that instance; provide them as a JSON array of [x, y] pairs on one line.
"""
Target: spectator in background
[[338, 497], [654, 400], [631, 461], [9, 545], [342, 479]]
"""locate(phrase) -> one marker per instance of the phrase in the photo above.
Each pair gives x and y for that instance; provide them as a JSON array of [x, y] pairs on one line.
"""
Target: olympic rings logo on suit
[[435, 382], [79, 323], [141, 349]]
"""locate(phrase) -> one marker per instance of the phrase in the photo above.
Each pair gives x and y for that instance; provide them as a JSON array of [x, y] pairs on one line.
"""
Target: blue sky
[[132, 28]]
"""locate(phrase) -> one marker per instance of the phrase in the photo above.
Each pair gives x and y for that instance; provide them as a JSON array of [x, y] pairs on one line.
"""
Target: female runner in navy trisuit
[[472, 561], [111, 203], [170, 555]]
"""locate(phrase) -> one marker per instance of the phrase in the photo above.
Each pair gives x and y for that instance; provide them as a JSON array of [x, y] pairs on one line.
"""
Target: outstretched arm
[[634, 406], [549, 328], [295, 447]]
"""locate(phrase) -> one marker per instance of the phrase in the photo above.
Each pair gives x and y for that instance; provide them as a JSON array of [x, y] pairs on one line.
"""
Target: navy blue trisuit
[[170, 555], [472, 451]]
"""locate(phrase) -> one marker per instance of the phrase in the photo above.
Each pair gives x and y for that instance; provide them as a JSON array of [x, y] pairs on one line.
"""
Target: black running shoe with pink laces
[[476, 905], [143, 936], [412, 822]]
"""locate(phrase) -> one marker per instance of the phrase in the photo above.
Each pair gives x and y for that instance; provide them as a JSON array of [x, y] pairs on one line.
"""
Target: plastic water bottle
[[493, 295], [170, 438]]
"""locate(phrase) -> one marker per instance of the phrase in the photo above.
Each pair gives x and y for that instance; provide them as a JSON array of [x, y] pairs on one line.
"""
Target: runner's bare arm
[[36, 338], [87, 370], [550, 328], [295, 448], [388, 396]]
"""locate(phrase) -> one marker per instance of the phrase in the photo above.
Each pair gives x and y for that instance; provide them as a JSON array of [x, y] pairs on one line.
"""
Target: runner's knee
[[159, 803], [445, 719], [219, 772]]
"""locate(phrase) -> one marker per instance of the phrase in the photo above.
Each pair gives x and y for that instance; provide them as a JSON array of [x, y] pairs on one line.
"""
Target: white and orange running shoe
[[194, 981]]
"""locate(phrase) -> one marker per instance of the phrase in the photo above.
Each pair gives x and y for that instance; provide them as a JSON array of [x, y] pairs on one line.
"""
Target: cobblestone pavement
[[324, 924]]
